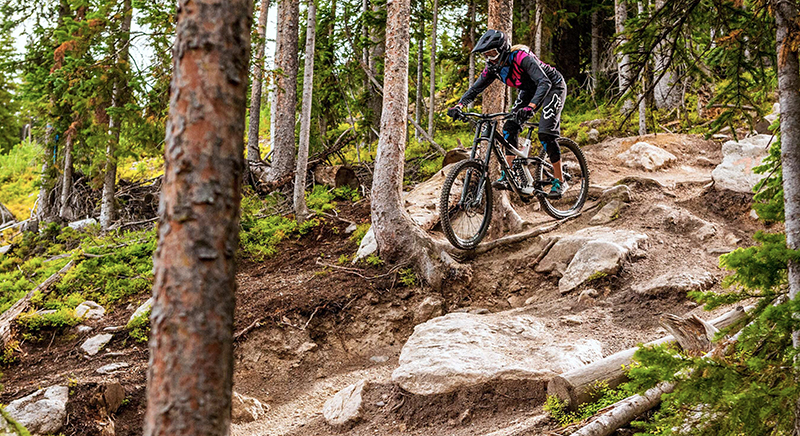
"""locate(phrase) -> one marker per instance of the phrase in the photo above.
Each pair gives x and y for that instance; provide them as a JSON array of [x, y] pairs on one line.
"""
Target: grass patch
[[139, 327], [18, 178], [602, 397]]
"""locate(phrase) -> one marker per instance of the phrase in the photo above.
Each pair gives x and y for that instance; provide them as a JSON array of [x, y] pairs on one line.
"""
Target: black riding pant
[[549, 123]]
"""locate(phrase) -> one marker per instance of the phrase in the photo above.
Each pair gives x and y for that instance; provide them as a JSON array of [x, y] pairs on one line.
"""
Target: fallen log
[[6, 216], [575, 387], [621, 413], [336, 176], [22, 304]]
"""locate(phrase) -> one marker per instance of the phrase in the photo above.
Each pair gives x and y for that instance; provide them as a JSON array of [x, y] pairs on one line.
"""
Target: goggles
[[491, 55]]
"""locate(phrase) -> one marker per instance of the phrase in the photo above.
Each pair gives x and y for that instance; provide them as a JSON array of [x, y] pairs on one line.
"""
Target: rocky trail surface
[[325, 348]]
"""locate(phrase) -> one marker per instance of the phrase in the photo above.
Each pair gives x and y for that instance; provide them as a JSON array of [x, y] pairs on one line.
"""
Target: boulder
[[112, 367], [596, 259], [368, 246], [246, 409], [559, 259], [735, 173], [645, 156], [673, 283], [608, 213], [96, 343], [346, 406], [142, 309], [459, 350], [776, 112], [422, 201], [42, 412], [89, 310]]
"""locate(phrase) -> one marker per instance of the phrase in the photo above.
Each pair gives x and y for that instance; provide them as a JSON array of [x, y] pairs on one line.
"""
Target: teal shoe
[[501, 184], [558, 189]]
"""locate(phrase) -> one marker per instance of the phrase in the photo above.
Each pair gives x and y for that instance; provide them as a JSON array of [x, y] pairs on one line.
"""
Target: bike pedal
[[501, 185]]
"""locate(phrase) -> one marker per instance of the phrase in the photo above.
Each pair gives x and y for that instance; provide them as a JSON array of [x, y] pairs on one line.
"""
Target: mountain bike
[[465, 206]]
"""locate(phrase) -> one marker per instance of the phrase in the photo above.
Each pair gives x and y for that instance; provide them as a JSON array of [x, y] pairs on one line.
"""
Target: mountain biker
[[540, 86]]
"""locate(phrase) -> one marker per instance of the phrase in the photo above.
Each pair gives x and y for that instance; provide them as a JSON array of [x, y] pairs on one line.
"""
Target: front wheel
[[576, 175], [465, 207]]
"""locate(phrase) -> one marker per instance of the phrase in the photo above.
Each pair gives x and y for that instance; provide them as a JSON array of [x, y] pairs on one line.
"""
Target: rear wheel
[[465, 206], [576, 174]]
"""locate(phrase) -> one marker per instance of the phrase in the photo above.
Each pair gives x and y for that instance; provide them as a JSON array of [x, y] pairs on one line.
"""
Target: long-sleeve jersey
[[520, 69]]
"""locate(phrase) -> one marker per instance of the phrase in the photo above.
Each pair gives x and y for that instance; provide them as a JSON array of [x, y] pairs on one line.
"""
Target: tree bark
[[65, 212], [253, 149], [107, 210], [789, 94], [665, 92], [537, 41], [190, 375], [595, 49], [642, 102], [432, 92], [6, 216], [285, 91], [623, 60], [420, 75], [300, 209], [471, 74]]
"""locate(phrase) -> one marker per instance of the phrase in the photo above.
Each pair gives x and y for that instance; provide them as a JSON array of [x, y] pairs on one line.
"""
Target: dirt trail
[[314, 327]]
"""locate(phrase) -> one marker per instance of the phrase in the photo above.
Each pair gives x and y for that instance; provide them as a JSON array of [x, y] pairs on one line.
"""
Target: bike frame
[[488, 123]]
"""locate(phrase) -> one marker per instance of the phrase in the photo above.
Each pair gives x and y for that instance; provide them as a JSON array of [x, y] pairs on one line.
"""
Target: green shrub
[[259, 237], [408, 277], [347, 193], [374, 260], [139, 327], [602, 396], [320, 199], [360, 232], [33, 323]]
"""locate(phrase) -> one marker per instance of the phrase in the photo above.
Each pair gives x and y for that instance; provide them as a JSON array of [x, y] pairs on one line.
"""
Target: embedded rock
[[619, 192], [96, 343], [42, 412], [112, 367], [596, 259], [676, 283], [645, 156], [246, 409], [461, 350], [368, 246], [77, 225], [346, 406], [608, 213], [776, 112], [429, 308], [684, 222], [89, 310], [142, 309], [594, 135], [422, 201], [735, 173]]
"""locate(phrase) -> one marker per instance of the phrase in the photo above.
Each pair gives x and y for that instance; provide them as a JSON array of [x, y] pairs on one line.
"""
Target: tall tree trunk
[[253, 149], [114, 125], [789, 89], [432, 93], [285, 91], [300, 208], [376, 53], [666, 92], [537, 42], [595, 48], [623, 61], [494, 100], [472, 9], [190, 377], [65, 212], [420, 75], [642, 102]]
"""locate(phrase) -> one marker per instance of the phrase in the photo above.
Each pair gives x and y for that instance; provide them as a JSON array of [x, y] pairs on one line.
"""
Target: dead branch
[[519, 237], [543, 253], [22, 304], [693, 334], [357, 272], [255, 324]]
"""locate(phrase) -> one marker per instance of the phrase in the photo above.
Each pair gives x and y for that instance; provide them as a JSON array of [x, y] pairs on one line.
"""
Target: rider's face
[[491, 55]]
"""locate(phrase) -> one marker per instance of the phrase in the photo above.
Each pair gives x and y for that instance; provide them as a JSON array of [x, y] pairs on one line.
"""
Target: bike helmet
[[493, 40]]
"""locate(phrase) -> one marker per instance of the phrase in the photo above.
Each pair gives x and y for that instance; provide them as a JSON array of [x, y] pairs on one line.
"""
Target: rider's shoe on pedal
[[558, 189], [501, 184]]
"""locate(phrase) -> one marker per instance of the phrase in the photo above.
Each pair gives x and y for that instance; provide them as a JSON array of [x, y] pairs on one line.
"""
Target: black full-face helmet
[[493, 45]]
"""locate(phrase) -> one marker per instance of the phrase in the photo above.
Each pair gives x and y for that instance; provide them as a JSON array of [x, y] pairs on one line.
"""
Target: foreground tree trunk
[[595, 49], [285, 91], [300, 208], [253, 149], [789, 90], [110, 177], [65, 212], [191, 348], [420, 74]]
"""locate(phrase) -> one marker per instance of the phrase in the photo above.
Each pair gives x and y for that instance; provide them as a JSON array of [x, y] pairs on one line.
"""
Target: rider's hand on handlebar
[[523, 114], [455, 112]]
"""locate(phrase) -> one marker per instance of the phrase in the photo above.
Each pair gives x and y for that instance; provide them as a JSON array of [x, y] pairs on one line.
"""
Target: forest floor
[[314, 327]]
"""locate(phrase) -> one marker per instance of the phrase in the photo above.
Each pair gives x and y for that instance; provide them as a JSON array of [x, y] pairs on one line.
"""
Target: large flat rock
[[460, 350], [735, 173], [42, 412]]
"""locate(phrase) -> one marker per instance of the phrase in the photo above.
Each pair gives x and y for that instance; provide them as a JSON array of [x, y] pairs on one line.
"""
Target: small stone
[[246, 409], [594, 135], [516, 301], [753, 215], [704, 162], [351, 228], [94, 344], [112, 367], [570, 320], [141, 310], [588, 296], [596, 122], [607, 214], [380, 404], [368, 246], [465, 416], [430, 307], [306, 347], [479, 311], [530, 300], [77, 225], [84, 329], [645, 156], [379, 359], [89, 310], [346, 406], [114, 329]]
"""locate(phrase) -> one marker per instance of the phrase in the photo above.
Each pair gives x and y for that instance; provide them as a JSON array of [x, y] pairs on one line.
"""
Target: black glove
[[455, 112], [523, 114]]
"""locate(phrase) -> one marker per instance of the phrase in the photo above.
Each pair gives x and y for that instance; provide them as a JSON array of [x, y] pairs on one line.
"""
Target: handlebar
[[498, 115]]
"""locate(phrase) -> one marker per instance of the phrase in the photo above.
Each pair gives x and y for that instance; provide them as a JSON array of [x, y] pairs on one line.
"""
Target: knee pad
[[550, 146], [511, 130]]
